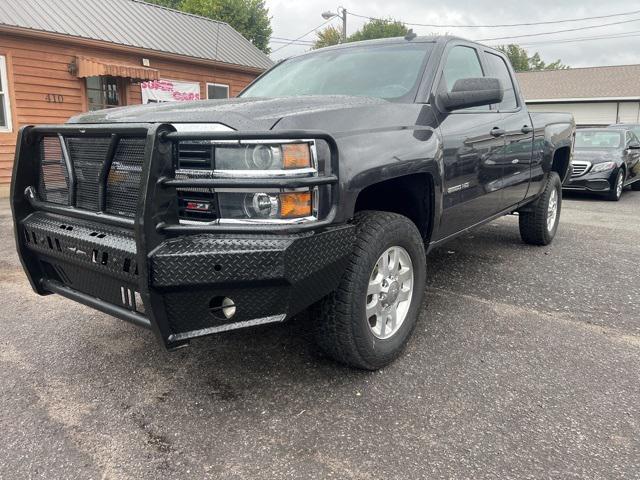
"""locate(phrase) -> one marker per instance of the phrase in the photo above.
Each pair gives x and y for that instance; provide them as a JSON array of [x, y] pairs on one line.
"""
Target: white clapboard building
[[595, 96]]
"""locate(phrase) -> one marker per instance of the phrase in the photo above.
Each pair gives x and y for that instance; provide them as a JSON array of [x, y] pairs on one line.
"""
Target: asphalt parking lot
[[526, 364]]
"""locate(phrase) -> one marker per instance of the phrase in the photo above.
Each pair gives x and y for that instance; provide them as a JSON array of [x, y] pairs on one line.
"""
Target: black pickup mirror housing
[[472, 92]]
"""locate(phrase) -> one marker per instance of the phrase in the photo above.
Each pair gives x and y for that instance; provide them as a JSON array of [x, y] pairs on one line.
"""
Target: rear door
[[473, 153], [518, 132]]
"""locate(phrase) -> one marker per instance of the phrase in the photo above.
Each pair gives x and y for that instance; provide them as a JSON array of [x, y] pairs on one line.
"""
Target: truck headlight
[[248, 159], [263, 205], [603, 167], [263, 156]]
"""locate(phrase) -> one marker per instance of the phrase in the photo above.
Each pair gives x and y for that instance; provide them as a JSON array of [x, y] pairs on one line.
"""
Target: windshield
[[388, 71], [598, 139]]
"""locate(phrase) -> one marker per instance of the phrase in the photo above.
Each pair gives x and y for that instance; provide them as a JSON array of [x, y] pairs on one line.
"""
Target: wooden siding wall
[[37, 68]]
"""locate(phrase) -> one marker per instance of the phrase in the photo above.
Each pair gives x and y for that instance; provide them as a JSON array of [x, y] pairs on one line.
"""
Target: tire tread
[[533, 223], [334, 314]]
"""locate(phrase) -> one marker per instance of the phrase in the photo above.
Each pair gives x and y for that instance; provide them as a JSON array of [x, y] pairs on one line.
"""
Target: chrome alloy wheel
[[389, 292], [619, 184], [552, 210]]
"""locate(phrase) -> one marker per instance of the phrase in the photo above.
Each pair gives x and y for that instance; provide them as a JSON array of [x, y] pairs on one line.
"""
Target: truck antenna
[[410, 35]]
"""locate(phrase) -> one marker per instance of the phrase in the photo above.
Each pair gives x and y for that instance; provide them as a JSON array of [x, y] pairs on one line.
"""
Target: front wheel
[[616, 188], [539, 222], [368, 320]]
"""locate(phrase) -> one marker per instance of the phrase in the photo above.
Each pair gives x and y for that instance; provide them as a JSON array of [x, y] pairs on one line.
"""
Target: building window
[[5, 106], [105, 92], [217, 90]]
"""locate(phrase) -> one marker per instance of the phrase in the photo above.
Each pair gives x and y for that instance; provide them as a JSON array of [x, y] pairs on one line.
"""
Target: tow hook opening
[[222, 308]]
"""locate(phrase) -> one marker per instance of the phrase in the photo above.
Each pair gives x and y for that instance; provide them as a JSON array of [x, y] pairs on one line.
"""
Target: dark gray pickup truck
[[323, 185]]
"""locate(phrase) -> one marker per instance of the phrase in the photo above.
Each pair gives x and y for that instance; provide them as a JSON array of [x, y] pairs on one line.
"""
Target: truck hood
[[237, 113], [597, 155]]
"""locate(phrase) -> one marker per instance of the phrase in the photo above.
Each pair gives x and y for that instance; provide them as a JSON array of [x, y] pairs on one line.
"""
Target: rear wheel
[[616, 188], [368, 320], [539, 223], [635, 186]]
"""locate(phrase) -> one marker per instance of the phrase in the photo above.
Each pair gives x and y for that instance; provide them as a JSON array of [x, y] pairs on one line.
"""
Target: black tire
[[635, 186], [342, 329], [533, 221], [614, 195]]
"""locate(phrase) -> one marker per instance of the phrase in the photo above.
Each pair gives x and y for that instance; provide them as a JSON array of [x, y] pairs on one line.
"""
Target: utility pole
[[344, 25], [342, 13]]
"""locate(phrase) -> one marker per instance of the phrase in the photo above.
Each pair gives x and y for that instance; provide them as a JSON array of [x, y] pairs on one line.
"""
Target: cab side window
[[498, 69], [462, 62]]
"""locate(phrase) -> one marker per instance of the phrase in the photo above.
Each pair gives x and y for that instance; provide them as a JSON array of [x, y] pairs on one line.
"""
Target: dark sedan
[[605, 161]]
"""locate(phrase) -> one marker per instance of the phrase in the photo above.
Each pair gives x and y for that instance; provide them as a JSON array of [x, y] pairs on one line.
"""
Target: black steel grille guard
[[156, 219]]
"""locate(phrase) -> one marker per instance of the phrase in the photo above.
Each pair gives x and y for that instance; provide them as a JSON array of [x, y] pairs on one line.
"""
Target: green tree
[[327, 37], [373, 29], [517, 55], [249, 17], [522, 62], [379, 29], [175, 4]]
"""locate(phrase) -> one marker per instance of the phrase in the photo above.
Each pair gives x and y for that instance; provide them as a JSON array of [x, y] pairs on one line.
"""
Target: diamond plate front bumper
[[268, 277]]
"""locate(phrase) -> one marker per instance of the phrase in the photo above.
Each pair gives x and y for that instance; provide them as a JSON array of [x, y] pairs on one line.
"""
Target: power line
[[558, 31], [549, 22], [298, 41], [302, 36], [288, 39], [292, 42], [633, 33]]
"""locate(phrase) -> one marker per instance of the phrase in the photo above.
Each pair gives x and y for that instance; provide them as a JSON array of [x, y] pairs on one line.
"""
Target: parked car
[[605, 160], [323, 185], [635, 128]]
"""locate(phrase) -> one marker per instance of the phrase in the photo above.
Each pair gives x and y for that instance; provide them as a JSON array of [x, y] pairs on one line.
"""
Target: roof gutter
[[89, 42]]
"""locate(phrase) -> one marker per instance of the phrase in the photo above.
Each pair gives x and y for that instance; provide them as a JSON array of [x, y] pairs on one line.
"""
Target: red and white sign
[[157, 91]]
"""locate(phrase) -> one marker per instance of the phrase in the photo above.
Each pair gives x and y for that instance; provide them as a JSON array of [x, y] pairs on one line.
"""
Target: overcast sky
[[292, 18]]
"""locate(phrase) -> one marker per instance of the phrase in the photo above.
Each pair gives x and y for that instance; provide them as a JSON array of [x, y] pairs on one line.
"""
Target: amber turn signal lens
[[296, 155], [295, 205]]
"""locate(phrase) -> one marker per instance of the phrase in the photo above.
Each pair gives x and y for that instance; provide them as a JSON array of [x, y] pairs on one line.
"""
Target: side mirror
[[472, 92], [634, 146]]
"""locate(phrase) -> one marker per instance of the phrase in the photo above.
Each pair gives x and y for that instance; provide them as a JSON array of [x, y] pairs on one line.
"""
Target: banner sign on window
[[157, 91]]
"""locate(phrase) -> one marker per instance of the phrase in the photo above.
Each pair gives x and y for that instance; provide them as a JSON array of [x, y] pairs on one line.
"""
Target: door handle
[[526, 129], [497, 132]]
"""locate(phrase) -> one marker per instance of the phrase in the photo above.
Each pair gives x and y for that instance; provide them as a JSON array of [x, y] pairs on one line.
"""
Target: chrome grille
[[579, 168], [195, 155]]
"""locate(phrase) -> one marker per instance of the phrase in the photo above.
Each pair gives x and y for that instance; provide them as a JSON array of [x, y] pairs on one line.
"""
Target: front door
[[473, 151]]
